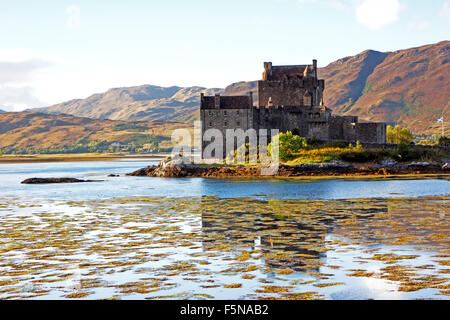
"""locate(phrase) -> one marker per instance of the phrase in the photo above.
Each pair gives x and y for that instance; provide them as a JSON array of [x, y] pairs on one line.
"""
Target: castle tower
[[289, 85]]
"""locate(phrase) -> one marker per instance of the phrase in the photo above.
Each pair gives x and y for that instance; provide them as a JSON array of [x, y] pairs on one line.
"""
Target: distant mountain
[[141, 103], [25, 130], [243, 88], [1, 111], [144, 103], [410, 87]]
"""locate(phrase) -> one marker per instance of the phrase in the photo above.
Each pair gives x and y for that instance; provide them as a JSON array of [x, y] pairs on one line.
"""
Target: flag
[[440, 120]]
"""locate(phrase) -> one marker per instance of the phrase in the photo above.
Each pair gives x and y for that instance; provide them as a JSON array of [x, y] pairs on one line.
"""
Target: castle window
[[224, 112], [210, 124], [209, 112], [238, 123], [237, 112], [225, 123]]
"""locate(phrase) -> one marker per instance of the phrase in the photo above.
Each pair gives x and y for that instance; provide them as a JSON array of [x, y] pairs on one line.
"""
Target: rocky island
[[178, 168]]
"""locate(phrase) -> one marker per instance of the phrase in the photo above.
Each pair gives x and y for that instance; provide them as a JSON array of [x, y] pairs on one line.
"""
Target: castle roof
[[280, 72], [226, 102]]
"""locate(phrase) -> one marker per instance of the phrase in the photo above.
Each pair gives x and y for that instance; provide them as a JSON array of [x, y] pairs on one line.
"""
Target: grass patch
[[327, 154], [402, 153]]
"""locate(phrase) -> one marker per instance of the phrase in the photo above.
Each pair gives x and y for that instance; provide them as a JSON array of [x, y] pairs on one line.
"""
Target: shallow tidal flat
[[235, 248]]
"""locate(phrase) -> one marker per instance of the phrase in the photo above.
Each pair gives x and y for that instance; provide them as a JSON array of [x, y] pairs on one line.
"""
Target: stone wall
[[295, 92], [222, 120], [220, 113], [280, 93], [343, 128], [312, 123], [371, 132]]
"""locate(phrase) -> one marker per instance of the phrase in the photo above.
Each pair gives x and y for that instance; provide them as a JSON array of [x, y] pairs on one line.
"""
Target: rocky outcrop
[[181, 168], [168, 167], [54, 180]]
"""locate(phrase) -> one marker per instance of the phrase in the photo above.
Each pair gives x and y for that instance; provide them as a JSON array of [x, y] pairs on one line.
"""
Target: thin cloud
[[74, 17], [375, 14], [445, 11], [18, 71], [18, 98], [337, 4], [419, 25]]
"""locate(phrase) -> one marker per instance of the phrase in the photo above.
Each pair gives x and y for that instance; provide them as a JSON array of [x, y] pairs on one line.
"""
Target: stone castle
[[290, 98]]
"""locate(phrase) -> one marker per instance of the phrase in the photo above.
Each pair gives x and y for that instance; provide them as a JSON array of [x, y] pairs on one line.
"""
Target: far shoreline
[[74, 157]]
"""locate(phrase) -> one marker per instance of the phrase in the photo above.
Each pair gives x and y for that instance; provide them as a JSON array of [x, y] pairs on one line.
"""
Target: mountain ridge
[[36, 131], [409, 87]]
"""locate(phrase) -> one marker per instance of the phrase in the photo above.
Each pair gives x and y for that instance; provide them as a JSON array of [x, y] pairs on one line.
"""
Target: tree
[[288, 145], [390, 134], [404, 136], [398, 135]]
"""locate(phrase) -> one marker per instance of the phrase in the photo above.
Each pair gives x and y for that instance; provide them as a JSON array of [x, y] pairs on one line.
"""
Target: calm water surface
[[195, 238], [12, 174]]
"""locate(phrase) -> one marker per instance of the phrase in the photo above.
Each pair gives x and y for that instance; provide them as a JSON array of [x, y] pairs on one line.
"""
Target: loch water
[[110, 187], [197, 238]]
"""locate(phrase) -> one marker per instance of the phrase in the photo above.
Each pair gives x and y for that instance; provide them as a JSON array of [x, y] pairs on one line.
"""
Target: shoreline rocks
[[181, 168], [55, 180]]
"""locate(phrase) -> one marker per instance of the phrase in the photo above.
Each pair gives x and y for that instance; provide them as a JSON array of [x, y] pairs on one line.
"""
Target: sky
[[54, 51]]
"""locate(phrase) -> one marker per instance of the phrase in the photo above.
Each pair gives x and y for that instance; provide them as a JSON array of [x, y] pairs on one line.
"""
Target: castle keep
[[290, 98]]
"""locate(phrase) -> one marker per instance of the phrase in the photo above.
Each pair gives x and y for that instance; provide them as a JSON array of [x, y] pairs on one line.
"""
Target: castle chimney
[[315, 68], [251, 99], [267, 70], [217, 101]]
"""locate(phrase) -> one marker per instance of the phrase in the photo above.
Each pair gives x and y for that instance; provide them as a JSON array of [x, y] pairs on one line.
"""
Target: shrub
[[288, 144], [317, 143]]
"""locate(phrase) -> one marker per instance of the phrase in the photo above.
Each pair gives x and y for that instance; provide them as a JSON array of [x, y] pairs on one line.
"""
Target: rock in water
[[179, 167], [54, 180]]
